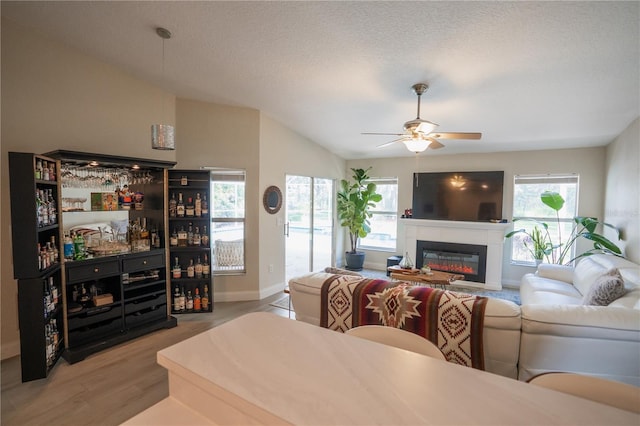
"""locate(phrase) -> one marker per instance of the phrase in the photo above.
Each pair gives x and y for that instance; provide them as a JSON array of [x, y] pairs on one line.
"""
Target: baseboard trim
[[10, 349], [241, 296]]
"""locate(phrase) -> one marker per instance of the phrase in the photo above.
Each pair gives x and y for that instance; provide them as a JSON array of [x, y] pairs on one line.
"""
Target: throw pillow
[[607, 288], [340, 271]]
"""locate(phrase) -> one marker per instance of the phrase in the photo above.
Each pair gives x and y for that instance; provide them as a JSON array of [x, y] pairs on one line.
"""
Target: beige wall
[[589, 163], [622, 197], [208, 135], [284, 152], [55, 98]]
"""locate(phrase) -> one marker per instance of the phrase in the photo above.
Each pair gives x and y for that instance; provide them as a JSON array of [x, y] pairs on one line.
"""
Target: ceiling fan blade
[[391, 142], [434, 144], [384, 134], [454, 135]]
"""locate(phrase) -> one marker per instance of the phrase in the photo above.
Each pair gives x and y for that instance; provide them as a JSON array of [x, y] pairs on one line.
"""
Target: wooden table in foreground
[[435, 278], [265, 369]]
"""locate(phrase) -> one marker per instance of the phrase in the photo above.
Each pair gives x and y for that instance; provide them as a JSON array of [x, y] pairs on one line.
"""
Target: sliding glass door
[[309, 224]]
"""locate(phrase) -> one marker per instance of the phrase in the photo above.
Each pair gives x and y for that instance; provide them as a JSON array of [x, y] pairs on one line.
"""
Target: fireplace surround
[[486, 234], [469, 260]]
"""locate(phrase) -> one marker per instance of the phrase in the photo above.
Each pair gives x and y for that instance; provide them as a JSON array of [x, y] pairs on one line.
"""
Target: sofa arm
[[600, 322], [556, 272]]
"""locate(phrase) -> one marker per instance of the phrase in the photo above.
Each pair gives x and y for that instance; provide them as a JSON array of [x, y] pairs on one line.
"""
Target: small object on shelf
[[103, 299], [406, 262]]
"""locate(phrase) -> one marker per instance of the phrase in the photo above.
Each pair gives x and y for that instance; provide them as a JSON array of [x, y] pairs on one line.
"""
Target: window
[[228, 220], [384, 222], [527, 204]]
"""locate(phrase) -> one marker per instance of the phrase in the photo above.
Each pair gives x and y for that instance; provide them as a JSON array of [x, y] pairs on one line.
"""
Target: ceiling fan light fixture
[[420, 126], [416, 145]]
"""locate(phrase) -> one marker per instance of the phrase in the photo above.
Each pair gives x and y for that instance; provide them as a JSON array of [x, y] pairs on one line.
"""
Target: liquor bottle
[[183, 300], [205, 206], [184, 181], [176, 299], [182, 237], [197, 239], [180, 206], [55, 296], [54, 248], [78, 247], [191, 269], [190, 210], [176, 271], [198, 205], [45, 171], [189, 305], [173, 240], [173, 205], [190, 234], [206, 268], [51, 208], [198, 268], [197, 301], [52, 171], [204, 238], [39, 169], [39, 209], [205, 298], [68, 247]]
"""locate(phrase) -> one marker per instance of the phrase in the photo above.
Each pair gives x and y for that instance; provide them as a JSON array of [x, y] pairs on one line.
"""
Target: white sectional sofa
[[560, 333], [501, 333]]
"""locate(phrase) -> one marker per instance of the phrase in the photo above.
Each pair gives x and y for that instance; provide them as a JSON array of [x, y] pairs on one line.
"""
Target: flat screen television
[[464, 196]]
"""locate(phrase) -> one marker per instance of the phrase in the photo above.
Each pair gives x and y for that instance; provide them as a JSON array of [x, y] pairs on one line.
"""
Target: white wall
[[589, 163], [622, 198]]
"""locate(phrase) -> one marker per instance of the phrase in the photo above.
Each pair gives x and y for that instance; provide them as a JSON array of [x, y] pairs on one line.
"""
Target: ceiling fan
[[419, 134]]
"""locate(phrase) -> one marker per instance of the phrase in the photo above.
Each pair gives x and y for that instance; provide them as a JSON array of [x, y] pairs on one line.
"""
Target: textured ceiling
[[528, 75]]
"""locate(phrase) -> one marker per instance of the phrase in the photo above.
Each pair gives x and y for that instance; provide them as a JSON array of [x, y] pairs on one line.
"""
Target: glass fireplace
[[469, 260]]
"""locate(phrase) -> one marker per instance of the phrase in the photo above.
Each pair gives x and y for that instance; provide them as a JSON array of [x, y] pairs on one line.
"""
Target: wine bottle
[[205, 298], [180, 206], [198, 268], [176, 272], [191, 269], [198, 205], [189, 306], [197, 301], [173, 205], [206, 268], [190, 210]]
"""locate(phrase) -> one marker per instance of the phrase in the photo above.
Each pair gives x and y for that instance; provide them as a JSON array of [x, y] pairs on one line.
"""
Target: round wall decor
[[272, 199]]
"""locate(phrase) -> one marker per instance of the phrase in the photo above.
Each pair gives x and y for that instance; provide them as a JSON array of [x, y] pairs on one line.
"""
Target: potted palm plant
[[560, 253], [355, 201]]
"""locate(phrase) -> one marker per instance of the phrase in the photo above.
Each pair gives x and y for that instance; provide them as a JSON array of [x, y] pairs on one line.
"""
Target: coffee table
[[434, 278]]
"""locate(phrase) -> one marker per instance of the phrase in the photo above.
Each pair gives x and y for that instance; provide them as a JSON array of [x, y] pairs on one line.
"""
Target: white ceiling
[[528, 75]]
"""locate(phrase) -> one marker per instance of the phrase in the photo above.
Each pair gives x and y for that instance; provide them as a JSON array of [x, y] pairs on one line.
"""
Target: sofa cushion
[[340, 271], [585, 274], [536, 290], [607, 288]]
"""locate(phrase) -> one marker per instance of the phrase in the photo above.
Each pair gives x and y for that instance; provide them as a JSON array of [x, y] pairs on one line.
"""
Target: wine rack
[[35, 233], [190, 186]]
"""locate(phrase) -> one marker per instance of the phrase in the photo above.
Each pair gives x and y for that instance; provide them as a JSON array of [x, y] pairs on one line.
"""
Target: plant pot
[[354, 261]]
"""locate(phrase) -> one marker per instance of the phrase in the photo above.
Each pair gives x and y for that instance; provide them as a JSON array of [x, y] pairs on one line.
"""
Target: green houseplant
[[542, 245], [355, 201]]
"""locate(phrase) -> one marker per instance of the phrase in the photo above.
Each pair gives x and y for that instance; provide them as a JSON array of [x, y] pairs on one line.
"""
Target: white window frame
[[546, 180], [239, 247], [362, 242]]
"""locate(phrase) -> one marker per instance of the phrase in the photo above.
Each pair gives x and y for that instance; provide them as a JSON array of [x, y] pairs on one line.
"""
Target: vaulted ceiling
[[528, 75]]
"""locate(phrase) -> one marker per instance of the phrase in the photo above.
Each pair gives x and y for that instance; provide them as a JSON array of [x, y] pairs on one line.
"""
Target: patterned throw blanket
[[453, 321]]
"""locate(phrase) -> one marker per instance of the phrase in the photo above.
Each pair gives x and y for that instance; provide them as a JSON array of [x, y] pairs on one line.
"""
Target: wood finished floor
[[111, 386]]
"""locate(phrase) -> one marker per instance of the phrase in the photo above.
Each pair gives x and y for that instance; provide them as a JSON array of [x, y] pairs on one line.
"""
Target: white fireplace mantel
[[480, 233]]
